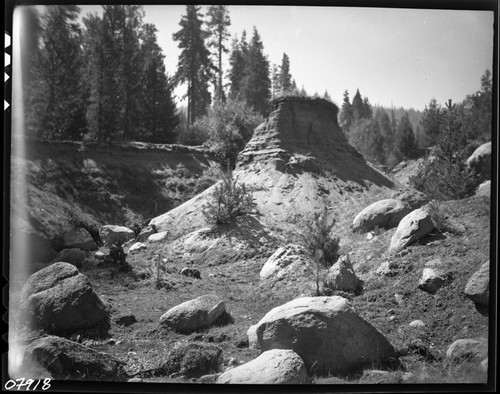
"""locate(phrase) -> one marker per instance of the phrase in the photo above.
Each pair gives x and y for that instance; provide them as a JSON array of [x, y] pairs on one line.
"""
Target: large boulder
[[65, 359], [291, 266], [412, 227], [341, 276], [78, 238], [195, 314], [480, 161], [275, 366], [72, 256], [111, 234], [326, 332], [384, 213], [60, 299], [477, 288], [484, 189], [473, 350]]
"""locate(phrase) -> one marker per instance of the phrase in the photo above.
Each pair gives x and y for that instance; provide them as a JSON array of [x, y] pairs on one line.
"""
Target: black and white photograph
[[250, 195]]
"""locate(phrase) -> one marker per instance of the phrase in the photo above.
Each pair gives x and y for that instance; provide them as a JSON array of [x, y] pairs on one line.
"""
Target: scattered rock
[[65, 359], [484, 189], [111, 234], [275, 366], [484, 365], [99, 255], [326, 332], [432, 280], [59, 298], [208, 379], [384, 213], [193, 360], [412, 227], [417, 324], [192, 272], [195, 314], [480, 161], [341, 276], [291, 266], [137, 247], [413, 198], [79, 238], [384, 377], [478, 288], [473, 350], [388, 268], [158, 237], [145, 233], [125, 320], [72, 256]]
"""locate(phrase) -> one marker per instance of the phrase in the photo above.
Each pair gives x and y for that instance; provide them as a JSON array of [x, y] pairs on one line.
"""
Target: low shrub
[[229, 200]]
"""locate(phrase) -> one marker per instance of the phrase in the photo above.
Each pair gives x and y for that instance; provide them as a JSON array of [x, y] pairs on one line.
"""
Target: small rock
[[369, 236], [136, 247], [192, 272], [126, 320], [399, 298], [417, 324], [134, 380], [432, 280], [211, 378], [388, 268], [392, 318], [99, 255], [484, 365], [158, 237]]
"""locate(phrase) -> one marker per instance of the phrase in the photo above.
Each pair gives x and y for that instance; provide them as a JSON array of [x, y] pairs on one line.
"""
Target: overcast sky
[[393, 56]]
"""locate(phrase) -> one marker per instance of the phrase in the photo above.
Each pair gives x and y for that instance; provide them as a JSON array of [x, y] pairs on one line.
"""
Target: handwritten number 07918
[[27, 384]]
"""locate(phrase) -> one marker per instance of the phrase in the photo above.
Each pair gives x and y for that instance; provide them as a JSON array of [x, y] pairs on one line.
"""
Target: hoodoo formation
[[297, 161]]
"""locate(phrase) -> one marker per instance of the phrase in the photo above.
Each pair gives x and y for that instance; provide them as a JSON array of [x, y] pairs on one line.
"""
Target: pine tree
[[367, 109], [159, 114], [275, 81], [358, 107], [447, 176], [346, 114], [218, 24], [56, 95], [478, 111], [431, 122], [256, 83], [239, 51], [194, 66], [405, 139], [285, 77], [386, 133]]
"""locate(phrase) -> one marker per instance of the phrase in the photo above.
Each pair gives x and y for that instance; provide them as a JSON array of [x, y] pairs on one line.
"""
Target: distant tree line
[[388, 136]]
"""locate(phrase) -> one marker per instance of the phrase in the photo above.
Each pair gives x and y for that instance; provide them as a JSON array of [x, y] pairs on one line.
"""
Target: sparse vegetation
[[230, 199], [317, 238]]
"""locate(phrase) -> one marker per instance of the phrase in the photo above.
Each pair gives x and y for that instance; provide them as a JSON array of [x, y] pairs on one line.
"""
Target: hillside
[[297, 162]]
